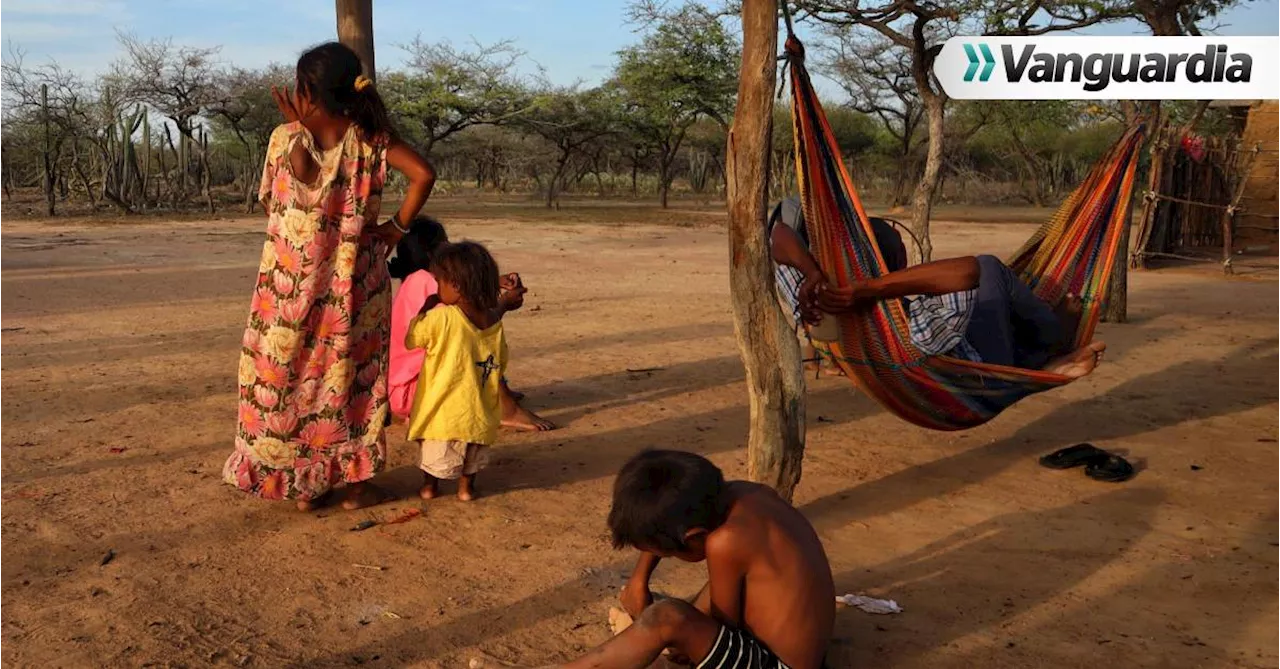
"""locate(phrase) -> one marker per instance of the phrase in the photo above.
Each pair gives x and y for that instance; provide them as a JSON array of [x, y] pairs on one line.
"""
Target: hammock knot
[[793, 48]]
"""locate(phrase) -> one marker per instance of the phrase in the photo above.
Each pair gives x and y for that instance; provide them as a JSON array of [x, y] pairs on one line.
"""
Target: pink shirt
[[406, 363]]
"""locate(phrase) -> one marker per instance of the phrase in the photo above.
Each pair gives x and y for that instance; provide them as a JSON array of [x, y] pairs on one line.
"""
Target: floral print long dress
[[313, 362]]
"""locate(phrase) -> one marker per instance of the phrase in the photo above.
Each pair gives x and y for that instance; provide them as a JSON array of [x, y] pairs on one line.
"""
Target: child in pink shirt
[[418, 289]]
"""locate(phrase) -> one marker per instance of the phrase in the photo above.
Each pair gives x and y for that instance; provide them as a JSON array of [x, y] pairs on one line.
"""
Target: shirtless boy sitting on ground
[[769, 602]]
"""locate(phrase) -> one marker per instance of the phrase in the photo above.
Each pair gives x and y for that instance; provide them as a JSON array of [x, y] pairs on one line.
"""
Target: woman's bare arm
[[422, 178]]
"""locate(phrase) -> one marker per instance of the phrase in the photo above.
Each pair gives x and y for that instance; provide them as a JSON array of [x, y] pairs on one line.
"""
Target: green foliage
[[446, 90], [686, 66]]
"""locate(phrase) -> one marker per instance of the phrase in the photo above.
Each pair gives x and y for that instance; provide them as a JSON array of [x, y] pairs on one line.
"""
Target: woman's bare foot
[[524, 420], [314, 503], [364, 495], [1078, 363]]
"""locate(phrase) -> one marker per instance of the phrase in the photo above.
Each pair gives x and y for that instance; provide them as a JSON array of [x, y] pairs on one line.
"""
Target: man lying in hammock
[[972, 308]]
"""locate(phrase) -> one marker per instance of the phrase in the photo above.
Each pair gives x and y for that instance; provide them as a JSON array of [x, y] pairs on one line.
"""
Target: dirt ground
[[119, 352]]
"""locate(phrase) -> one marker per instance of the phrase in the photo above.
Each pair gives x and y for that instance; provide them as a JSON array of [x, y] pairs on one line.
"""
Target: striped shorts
[[735, 649]]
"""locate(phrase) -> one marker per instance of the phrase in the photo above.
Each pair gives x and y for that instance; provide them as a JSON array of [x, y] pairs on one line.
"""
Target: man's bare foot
[[1078, 363], [525, 420], [314, 503], [431, 489], [364, 495]]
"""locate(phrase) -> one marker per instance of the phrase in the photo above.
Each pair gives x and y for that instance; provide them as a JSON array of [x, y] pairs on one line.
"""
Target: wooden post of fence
[[1159, 145], [1229, 214]]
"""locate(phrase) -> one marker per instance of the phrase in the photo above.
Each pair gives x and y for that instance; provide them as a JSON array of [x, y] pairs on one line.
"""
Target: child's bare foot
[[467, 488], [431, 489], [1078, 363], [525, 420], [364, 495]]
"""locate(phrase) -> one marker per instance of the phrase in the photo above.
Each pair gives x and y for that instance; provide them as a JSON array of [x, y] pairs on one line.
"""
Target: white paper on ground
[[870, 604]]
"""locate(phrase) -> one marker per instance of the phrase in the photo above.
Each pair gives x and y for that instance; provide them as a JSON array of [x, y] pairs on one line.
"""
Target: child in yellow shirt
[[456, 408]]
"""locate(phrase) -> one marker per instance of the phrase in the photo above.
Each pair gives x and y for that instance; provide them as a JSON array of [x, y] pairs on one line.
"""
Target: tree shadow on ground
[[983, 576], [1118, 413]]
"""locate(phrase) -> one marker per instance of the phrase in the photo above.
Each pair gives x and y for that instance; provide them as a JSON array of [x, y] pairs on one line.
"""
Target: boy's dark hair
[[660, 495], [417, 249], [469, 266], [327, 74]]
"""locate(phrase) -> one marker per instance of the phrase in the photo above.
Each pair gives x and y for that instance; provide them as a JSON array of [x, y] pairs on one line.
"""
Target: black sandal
[[1109, 469], [1073, 456]]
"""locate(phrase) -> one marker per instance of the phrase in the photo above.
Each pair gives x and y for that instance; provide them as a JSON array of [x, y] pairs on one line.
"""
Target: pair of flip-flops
[[1099, 465]]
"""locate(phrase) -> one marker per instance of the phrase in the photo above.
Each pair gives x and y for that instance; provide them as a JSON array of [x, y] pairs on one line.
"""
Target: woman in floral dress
[[313, 362]]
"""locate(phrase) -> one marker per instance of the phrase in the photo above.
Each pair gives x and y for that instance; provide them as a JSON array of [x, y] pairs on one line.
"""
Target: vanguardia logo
[[1096, 67], [1098, 70], [987, 58]]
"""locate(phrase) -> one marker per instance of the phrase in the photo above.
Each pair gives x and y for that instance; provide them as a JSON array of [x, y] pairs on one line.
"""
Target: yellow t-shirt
[[457, 396]]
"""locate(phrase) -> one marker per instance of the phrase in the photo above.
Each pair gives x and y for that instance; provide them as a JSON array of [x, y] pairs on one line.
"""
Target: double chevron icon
[[987, 58]]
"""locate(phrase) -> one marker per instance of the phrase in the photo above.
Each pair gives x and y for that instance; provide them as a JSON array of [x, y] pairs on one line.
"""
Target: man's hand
[[841, 299], [807, 295]]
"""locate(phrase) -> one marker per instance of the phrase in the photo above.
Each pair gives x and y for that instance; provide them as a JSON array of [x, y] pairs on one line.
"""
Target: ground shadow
[[985, 575], [1120, 412], [561, 458]]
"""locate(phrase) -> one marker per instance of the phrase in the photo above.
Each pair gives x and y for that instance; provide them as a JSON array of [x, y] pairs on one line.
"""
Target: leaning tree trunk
[[355, 30], [922, 198], [770, 353]]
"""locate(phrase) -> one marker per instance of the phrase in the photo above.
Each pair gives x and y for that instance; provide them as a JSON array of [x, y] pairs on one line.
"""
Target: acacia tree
[[876, 75], [243, 108], [569, 120], [177, 82], [446, 90], [684, 68]]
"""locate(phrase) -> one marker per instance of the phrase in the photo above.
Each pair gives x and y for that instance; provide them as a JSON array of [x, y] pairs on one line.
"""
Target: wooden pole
[[770, 353], [355, 30]]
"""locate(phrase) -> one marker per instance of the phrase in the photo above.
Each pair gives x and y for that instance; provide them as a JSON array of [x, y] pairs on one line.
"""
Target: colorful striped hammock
[[1074, 252]]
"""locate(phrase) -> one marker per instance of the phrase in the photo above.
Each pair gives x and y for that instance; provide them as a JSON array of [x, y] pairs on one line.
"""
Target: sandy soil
[[119, 351]]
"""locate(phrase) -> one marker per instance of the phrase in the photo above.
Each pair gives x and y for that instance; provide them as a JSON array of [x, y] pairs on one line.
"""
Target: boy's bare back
[[788, 597]]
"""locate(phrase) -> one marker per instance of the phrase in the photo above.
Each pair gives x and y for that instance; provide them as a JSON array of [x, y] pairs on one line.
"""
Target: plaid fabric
[[788, 288], [937, 324]]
